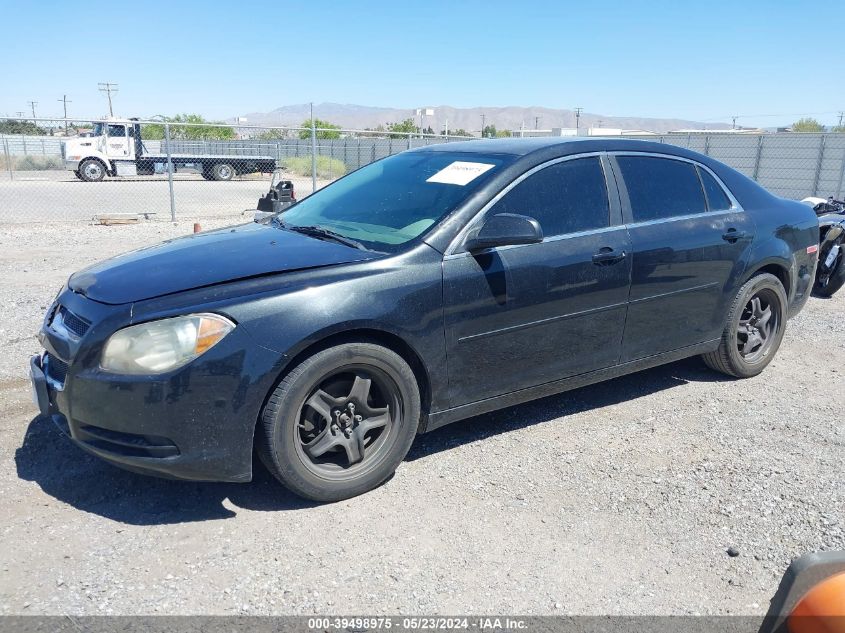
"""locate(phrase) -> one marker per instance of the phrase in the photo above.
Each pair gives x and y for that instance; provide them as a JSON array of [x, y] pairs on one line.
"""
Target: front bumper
[[194, 423]]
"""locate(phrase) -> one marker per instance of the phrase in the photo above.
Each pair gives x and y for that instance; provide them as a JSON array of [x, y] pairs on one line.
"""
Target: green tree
[[9, 126], [183, 127], [807, 124], [489, 131], [325, 129], [459, 132], [838, 128], [402, 128]]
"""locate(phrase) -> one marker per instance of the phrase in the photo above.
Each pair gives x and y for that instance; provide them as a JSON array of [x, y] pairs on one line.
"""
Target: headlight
[[159, 346]]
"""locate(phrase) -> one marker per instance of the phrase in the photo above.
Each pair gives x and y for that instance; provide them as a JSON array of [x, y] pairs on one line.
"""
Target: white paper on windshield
[[460, 173]]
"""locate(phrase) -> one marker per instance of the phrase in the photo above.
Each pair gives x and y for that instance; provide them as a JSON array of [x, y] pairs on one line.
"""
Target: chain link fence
[[128, 169]]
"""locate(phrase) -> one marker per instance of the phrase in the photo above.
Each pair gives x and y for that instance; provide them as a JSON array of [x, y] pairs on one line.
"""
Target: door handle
[[733, 235], [607, 256]]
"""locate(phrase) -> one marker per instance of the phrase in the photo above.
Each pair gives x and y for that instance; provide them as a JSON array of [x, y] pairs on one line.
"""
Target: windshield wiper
[[322, 233]]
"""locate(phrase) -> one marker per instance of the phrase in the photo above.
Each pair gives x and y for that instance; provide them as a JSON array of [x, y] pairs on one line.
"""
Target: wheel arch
[[364, 334], [776, 267]]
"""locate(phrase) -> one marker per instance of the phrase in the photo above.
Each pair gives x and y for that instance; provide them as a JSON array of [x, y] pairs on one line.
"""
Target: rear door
[[690, 240], [519, 316]]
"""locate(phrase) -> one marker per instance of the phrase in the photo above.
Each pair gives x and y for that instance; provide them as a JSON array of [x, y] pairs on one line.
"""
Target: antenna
[[108, 88]]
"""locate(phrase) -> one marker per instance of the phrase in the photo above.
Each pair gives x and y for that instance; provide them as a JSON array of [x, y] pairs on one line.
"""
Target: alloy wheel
[[758, 325], [346, 423]]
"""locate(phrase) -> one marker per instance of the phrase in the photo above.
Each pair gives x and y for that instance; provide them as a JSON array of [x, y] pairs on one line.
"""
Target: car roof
[[561, 146]]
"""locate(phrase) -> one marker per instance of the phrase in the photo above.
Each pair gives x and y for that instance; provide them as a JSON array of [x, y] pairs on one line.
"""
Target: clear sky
[[704, 60]]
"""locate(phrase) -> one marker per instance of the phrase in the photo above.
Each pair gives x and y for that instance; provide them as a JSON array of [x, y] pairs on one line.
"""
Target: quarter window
[[717, 200], [661, 188], [566, 197]]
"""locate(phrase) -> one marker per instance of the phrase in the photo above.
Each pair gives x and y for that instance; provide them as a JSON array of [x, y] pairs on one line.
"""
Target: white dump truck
[[115, 148]]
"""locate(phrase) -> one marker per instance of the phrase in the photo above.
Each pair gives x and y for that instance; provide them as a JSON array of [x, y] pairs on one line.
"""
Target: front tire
[[92, 170], [340, 423], [754, 330]]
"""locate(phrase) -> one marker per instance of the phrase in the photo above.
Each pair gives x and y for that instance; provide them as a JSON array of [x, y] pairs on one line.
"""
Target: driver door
[[520, 316], [117, 142]]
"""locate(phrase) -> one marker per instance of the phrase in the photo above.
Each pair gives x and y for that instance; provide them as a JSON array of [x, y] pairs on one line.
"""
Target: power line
[[108, 88]]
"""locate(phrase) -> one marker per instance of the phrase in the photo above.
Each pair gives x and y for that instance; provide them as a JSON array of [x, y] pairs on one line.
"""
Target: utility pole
[[32, 105], [536, 123], [578, 112], [20, 113], [733, 122], [482, 124], [108, 88], [65, 101], [841, 116]]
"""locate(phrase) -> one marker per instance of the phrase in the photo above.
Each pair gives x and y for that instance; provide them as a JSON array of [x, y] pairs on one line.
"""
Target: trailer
[[115, 148]]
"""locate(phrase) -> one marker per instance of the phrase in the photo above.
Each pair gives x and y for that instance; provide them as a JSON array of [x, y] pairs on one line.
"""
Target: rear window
[[661, 188], [717, 199]]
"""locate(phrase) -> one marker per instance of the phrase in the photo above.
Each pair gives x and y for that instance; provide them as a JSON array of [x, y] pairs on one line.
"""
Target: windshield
[[395, 200]]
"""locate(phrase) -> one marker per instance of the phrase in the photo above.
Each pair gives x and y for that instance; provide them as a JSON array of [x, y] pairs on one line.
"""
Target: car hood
[[206, 259]]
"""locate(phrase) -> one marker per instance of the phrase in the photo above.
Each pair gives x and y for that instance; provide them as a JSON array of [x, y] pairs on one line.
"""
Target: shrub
[[38, 163], [326, 167]]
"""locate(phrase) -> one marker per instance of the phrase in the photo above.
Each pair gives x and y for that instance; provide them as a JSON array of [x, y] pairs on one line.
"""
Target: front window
[[393, 201]]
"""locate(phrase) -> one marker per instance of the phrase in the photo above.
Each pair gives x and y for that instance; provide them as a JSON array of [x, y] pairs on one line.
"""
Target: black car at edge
[[434, 285]]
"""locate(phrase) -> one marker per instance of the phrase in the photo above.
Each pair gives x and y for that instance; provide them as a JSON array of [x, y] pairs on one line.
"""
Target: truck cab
[[112, 149]]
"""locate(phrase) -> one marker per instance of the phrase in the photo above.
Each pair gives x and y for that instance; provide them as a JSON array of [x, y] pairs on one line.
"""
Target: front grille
[[76, 325], [55, 368]]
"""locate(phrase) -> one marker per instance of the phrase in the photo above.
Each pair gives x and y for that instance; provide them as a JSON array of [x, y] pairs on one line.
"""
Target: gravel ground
[[620, 498], [51, 196]]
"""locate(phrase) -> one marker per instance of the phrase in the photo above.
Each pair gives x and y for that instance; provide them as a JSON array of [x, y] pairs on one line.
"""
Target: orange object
[[197, 227], [210, 332], [822, 609]]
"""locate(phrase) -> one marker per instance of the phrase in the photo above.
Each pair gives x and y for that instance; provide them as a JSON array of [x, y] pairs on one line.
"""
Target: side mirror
[[505, 229]]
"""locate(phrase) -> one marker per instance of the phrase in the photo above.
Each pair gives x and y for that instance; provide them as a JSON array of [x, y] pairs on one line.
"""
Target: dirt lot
[[617, 498], [51, 196]]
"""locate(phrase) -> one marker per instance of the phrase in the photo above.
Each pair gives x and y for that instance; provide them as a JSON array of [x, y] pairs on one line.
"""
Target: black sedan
[[431, 286]]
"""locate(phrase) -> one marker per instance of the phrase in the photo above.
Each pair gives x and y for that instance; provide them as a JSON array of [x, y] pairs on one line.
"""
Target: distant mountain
[[509, 117]]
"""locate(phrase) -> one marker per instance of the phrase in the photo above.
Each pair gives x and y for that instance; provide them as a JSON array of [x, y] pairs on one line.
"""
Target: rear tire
[[836, 279], [222, 171], [92, 170], [755, 327], [340, 423]]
